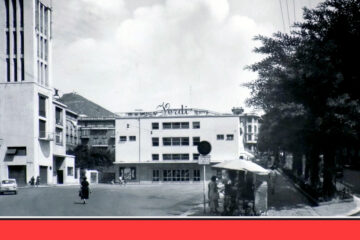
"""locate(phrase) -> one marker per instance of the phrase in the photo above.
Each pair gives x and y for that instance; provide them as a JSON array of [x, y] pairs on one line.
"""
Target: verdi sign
[[167, 110]]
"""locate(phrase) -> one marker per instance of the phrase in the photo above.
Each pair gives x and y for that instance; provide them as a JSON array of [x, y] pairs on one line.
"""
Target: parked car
[[8, 185]]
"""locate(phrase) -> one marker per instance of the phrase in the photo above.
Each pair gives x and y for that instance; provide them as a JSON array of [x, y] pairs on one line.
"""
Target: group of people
[[33, 182], [238, 189]]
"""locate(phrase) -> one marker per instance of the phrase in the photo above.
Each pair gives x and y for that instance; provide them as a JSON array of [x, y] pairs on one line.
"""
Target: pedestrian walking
[[84, 190], [122, 180], [37, 181], [213, 195], [32, 181]]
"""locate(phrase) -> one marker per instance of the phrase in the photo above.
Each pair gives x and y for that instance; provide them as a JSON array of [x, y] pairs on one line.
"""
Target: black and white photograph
[[180, 109]]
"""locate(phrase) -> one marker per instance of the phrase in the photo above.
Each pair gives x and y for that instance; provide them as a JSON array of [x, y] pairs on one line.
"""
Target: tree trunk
[[297, 163], [307, 166], [314, 168], [276, 159], [329, 186]]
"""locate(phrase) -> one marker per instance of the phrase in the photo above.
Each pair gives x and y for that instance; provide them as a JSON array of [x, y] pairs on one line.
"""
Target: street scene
[[186, 109]]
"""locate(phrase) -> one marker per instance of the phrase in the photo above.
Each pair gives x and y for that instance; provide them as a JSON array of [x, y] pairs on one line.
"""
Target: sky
[[128, 55]]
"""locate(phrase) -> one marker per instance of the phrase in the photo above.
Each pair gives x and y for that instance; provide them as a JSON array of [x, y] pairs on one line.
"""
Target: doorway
[[60, 176]]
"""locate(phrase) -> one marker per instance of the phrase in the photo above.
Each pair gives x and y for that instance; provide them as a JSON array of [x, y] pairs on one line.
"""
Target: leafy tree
[[93, 158], [308, 86]]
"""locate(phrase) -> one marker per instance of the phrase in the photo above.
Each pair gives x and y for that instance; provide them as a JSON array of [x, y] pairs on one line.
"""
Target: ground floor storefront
[[162, 172], [60, 171]]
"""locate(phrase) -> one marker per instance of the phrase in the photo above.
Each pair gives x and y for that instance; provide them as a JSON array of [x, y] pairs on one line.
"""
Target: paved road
[[105, 200]]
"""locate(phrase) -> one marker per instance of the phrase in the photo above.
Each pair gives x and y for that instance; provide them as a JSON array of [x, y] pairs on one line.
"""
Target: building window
[[7, 43], [184, 141], [167, 141], [59, 116], [42, 129], [155, 142], [70, 171], [14, 12], [155, 157], [18, 151], [196, 141], [15, 70], [176, 141], [176, 175], [122, 138], [37, 15], [249, 128], [230, 137], [184, 125], [185, 176], [176, 156], [42, 106], [22, 69], [59, 136], [196, 175], [156, 175], [132, 138], [196, 156], [46, 13], [166, 125], [15, 42], [175, 125], [196, 125], [7, 13], [128, 173], [255, 129], [8, 69], [167, 175], [21, 13], [249, 137], [220, 137], [155, 125]]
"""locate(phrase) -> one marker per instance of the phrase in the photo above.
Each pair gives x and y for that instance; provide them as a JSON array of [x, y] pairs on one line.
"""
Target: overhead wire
[[294, 10], [282, 16], [288, 14]]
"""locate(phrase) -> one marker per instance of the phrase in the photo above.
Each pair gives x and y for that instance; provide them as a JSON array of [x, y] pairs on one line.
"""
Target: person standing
[[37, 181], [213, 195], [84, 190]]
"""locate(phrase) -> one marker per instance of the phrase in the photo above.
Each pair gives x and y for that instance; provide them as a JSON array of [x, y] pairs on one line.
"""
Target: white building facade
[[31, 120], [161, 146]]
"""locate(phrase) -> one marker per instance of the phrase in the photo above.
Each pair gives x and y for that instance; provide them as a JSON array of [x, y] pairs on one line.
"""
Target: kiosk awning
[[242, 165]]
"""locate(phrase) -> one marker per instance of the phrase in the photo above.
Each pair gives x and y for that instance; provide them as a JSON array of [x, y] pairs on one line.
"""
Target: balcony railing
[[46, 136], [59, 122]]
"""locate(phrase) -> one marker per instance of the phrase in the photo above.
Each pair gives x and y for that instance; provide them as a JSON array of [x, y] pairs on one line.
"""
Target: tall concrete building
[[32, 128]]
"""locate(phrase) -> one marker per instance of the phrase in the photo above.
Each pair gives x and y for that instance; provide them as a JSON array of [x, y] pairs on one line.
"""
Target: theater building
[[161, 146]]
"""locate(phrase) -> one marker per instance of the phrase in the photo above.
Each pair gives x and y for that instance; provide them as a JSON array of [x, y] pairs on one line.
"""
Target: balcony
[[59, 122], [46, 136]]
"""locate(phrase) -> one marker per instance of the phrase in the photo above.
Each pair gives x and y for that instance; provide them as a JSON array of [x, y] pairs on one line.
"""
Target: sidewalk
[[288, 201]]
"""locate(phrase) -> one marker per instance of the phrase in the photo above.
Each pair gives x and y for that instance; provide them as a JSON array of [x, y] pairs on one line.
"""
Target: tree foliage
[[92, 158], [308, 86]]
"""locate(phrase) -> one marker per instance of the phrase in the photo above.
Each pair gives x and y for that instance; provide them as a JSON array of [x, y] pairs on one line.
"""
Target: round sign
[[204, 147]]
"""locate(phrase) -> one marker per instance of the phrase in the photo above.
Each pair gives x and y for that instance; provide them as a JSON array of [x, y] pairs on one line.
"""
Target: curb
[[311, 199], [357, 209]]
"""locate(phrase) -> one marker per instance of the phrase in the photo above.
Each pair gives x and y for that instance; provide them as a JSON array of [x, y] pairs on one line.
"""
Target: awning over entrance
[[242, 165]]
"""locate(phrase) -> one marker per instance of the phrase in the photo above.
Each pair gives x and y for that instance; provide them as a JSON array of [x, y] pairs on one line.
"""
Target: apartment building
[[31, 121], [95, 124]]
